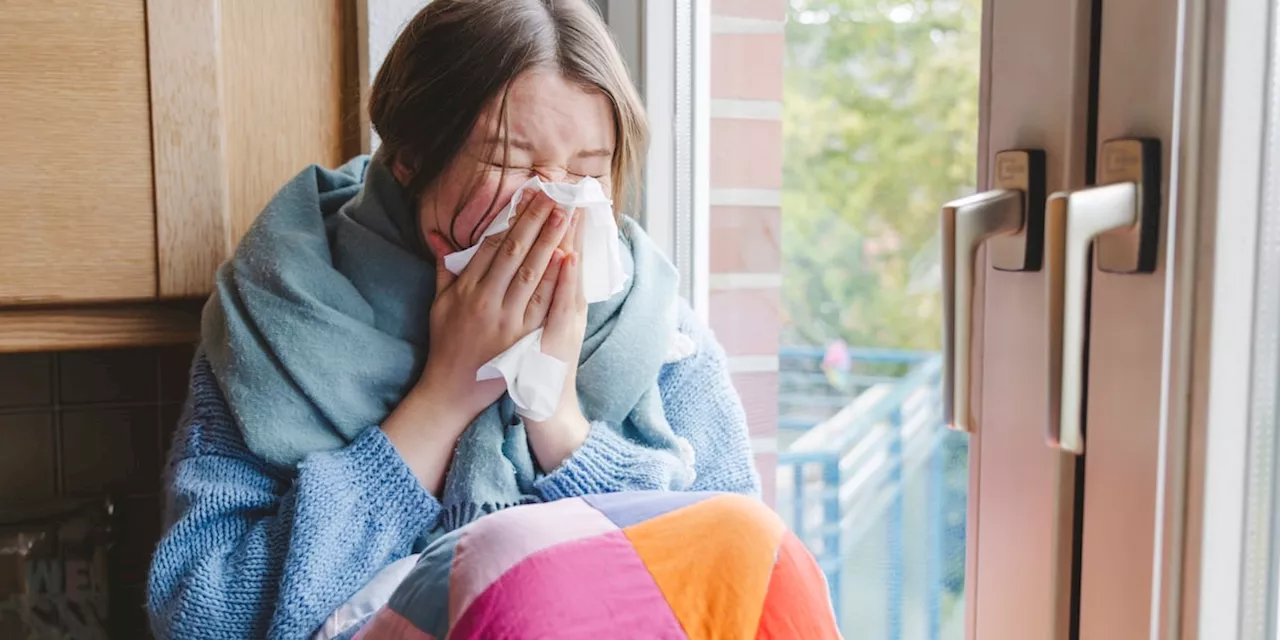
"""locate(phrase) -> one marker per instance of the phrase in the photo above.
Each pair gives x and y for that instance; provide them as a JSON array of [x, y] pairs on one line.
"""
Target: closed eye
[[500, 167]]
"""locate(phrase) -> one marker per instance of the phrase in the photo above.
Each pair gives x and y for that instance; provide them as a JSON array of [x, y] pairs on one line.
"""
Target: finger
[[529, 275], [579, 242], [483, 257], [562, 318], [520, 239], [440, 248], [568, 242], [489, 245], [540, 302], [528, 195]]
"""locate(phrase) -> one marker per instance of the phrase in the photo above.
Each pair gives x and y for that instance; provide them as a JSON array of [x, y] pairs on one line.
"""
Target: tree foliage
[[880, 118], [880, 127]]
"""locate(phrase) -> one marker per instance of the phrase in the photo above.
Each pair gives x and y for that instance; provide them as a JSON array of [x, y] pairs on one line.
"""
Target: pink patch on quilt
[[582, 590], [389, 624], [495, 543]]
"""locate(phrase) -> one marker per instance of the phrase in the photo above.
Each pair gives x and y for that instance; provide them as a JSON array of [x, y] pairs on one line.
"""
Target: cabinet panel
[[189, 138], [246, 93], [284, 65], [77, 210]]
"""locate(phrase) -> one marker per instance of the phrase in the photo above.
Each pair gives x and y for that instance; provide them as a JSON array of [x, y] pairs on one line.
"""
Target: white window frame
[[378, 24], [656, 36], [1237, 590]]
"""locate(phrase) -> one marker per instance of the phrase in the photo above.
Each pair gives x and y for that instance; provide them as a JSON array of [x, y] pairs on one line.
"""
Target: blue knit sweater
[[252, 551]]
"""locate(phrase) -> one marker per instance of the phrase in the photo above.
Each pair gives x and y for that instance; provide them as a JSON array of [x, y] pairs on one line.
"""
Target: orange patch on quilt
[[712, 561], [798, 604]]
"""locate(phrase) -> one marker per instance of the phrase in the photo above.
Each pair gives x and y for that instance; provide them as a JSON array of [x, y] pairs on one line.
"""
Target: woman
[[335, 424]]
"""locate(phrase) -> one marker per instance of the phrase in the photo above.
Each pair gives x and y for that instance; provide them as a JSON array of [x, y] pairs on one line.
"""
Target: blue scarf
[[318, 325]]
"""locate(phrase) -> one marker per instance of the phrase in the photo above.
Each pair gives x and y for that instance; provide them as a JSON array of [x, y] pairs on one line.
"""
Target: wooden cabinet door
[[141, 138], [77, 216], [245, 94]]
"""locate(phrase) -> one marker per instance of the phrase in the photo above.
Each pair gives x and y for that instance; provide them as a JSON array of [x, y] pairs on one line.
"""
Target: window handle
[[1115, 225], [1011, 218]]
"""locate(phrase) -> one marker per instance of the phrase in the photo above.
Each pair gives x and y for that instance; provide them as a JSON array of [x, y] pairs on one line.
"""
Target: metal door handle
[[1011, 216], [1119, 221]]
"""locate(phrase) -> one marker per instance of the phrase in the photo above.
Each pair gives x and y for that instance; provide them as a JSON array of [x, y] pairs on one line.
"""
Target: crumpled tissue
[[534, 379]]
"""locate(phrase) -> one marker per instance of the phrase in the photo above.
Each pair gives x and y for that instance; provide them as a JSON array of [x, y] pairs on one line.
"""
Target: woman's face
[[557, 130]]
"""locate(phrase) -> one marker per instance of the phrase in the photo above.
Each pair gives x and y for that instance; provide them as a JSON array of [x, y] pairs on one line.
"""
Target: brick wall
[[93, 423], [746, 180]]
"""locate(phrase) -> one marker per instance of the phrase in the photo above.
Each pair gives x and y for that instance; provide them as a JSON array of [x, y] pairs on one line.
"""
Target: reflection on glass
[[880, 126]]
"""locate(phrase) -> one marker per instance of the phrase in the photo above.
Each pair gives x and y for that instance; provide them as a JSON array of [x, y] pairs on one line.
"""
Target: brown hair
[[455, 57]]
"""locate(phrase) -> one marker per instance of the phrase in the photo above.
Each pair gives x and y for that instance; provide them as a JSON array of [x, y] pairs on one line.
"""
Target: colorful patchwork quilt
[[625, 565]]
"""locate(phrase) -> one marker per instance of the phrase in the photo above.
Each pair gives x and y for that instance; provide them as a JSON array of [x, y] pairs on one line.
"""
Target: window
[[831, 132]]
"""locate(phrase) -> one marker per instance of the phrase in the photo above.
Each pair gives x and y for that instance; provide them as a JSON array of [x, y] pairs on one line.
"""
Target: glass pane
[[826, 184]]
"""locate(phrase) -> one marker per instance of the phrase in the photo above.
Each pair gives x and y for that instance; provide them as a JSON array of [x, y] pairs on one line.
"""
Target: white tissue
[[534, 379]]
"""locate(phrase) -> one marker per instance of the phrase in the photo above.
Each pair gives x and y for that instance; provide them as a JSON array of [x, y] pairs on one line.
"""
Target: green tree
[[880, 118], [880, 128]]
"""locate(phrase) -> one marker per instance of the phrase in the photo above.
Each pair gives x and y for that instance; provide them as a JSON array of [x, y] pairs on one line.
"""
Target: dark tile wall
[[90, 423]]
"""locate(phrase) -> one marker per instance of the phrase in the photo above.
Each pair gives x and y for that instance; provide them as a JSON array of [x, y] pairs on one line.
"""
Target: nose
[[557, 174]]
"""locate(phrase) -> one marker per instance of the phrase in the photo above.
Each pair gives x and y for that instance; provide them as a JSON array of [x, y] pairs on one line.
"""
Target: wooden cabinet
[[77, 216], [245, 93], [140, 138]]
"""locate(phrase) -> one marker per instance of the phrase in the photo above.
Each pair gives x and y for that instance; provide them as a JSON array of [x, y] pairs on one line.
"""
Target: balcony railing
[[848, 453]]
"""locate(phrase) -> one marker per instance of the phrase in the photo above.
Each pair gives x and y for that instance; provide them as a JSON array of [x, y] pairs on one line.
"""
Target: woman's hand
[[500, 297], [556, 438], [503, 294]]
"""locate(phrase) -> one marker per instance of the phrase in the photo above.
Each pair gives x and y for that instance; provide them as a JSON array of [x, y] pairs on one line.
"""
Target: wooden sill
[[99, 327]]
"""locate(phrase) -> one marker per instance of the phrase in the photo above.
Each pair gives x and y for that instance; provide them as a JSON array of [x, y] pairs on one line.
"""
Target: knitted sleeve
[[702, 407], [251, 551]]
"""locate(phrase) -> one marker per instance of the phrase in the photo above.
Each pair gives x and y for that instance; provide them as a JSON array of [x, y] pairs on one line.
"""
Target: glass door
[[1038, 99], [1089, 358], [879, 125], [836, 131], [1132, 326], [1175, 279], [968, 423], [837, 128]]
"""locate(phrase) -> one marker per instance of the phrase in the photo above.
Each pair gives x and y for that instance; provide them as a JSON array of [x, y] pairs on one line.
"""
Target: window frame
[[1238, 550], [657, 37]]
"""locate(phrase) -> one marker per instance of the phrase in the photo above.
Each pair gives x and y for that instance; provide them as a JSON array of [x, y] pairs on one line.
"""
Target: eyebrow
[[518, 143], [596, 153], [524, 145]]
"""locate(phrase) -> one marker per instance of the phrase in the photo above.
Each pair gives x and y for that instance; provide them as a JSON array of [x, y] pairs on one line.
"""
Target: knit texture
[[251, 550]]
